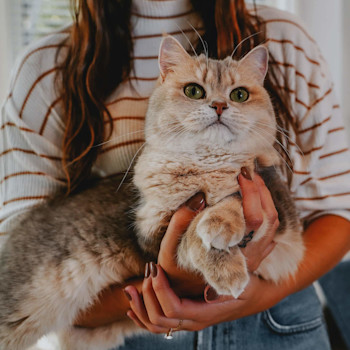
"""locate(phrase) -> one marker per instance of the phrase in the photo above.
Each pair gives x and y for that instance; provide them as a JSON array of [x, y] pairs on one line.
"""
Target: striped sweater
[[32, 124]]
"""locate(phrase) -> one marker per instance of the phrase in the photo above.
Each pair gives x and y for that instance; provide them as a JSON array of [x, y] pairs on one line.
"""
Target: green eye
[[239, 95], [194, 91]]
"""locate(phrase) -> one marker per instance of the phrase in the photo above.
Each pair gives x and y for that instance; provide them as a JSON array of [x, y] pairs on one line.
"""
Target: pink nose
[[219, 107]]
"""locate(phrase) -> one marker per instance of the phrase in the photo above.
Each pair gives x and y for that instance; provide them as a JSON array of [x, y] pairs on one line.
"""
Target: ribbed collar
[[161, 8]]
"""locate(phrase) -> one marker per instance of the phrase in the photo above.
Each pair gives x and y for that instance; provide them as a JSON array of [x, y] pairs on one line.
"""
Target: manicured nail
[[154, 270], [127, 294], [147, 271], [210, 294], [245, 172], [197, 202]]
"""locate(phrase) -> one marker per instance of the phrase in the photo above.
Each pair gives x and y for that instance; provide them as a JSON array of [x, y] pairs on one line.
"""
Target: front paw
[[227, 273], [221, 229]]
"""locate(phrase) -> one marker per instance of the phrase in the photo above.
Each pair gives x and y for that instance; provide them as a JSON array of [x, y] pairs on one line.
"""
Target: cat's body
[[54, 265]]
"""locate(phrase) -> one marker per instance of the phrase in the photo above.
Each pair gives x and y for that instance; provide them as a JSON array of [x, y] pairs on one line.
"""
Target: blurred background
[[22, 21]]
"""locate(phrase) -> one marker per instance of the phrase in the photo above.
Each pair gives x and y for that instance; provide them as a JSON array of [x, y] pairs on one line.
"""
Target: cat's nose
[[219, 107]]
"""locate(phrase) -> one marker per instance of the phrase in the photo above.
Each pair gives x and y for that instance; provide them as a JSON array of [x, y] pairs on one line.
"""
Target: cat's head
[[200, 102]]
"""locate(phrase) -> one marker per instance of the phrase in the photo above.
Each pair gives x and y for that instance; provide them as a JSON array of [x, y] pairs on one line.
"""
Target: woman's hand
[[113, 303], [258, 207], [161, 309], [182, 281]]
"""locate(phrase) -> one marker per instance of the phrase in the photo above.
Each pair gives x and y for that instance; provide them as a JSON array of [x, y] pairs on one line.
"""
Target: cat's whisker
[[130, 165], [118, 137], [259, 132], [193, 49], [242, 41], [283, 132], [204, 43]]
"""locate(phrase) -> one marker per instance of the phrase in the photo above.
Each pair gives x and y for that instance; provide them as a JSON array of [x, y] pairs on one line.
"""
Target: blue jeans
[[296, 323], [336, 287]]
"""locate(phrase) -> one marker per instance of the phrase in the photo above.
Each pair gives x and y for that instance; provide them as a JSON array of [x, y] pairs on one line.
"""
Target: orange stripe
[[334, 175], [306, 181], [141, 118], [301, 172], [321, 98], [315, 126], [334, 153], [315, 102], [296, 47], [16, 126], [289, 65], [42, 76], [336, 129], [30, 54], [128, 98], [277, 20], [321, 198], [143, 78], [36, 173], [53, 104], [126, 143], [30, 152], [145, 58], [310, 151], [25, 199]]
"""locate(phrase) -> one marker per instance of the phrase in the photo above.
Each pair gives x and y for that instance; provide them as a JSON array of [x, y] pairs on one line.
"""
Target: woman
[[75, 111]]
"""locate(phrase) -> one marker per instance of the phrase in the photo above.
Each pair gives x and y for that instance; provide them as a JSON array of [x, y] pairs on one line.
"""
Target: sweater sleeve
[[318, 146], [31, 132]]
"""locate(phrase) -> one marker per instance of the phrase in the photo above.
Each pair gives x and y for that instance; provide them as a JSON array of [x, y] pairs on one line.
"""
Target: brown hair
[[89, 75]]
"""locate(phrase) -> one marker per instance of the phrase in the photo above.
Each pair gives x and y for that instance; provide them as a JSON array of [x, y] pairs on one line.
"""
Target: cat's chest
[[176, 179]]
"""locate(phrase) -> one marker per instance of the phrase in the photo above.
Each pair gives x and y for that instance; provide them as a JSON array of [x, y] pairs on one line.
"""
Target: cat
[[201, 129]]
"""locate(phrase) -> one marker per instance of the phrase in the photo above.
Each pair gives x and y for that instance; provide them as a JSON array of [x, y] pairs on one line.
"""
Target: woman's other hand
[[182, 281], [257, 207]]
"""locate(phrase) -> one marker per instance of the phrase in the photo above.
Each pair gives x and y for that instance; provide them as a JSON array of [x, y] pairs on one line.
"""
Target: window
[[35, 18]]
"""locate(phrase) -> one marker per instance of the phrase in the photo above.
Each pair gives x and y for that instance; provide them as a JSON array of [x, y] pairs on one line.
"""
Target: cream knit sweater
[[32, 126]]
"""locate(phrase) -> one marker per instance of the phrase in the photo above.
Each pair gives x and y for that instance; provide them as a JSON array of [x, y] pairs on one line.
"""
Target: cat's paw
[[229, 275], [220, 231]]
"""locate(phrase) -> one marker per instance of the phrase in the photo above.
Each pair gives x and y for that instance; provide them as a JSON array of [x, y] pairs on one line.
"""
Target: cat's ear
[[171, 53], [257, 60]]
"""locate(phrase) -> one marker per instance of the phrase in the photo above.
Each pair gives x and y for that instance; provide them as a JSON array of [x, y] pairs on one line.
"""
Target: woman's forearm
[[327, 240]]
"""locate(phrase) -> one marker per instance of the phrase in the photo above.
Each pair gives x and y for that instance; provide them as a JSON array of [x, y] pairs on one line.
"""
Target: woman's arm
[[327, 239]]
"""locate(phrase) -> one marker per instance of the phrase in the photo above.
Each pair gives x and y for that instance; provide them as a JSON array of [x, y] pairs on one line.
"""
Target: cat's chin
[[218, 133]]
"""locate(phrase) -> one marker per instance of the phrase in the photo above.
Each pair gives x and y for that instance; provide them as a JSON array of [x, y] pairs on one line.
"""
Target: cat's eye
[[239, 95], [194, 91]]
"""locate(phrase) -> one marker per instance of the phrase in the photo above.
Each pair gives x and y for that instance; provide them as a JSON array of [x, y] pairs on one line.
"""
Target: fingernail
[[153, 268], [245, 172], [127, 294], [147, 271], [197, 202], [210, 294]]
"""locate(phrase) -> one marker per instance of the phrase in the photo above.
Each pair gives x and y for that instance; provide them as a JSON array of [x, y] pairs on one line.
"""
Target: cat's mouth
[[218, 123]]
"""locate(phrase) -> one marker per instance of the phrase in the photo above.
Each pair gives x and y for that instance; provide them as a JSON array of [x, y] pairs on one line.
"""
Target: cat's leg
[[210, 247], [48, 299], [222, 226]]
